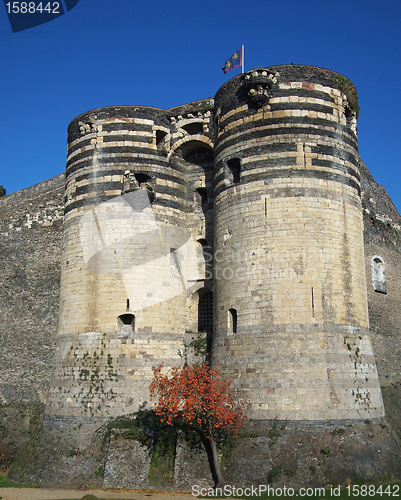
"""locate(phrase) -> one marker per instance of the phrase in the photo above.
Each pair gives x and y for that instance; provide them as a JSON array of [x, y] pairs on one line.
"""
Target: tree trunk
[[213, 458], [216, 461]]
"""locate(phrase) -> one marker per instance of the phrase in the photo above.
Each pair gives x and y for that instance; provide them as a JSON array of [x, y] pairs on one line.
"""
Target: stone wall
[[30, 250], [104, 375], [382, 235], [127, 463]]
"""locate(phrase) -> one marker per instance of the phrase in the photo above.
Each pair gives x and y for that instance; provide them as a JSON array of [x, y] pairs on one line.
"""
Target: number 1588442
[[33, 8]]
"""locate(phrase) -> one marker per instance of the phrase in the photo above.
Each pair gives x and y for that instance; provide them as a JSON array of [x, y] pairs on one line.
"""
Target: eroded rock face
[[313, 456], [274, 453], [127, 463]]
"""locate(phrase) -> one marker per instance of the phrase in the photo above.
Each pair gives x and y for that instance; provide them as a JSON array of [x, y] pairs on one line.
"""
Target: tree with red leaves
[[198, 396]]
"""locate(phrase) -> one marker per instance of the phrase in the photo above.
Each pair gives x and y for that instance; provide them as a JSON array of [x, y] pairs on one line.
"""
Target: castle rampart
[[263, 179], [239, 215], [30, 247]]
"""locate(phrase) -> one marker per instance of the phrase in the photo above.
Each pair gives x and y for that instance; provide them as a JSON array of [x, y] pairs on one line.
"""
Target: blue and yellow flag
[[234, 61]]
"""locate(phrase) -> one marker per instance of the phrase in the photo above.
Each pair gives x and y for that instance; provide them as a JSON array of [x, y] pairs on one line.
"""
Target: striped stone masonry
[[239, 216], [291, 320]]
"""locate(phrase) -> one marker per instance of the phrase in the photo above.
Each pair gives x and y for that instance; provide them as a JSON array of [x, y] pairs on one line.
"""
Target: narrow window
[[235, 168], [379, 281], [232, 320], [126, 324], [313, 303], [206, 250], [160, 135], [201, 199]]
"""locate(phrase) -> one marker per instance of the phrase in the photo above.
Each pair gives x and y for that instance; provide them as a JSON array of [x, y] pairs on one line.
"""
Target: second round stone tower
[[291, 318]]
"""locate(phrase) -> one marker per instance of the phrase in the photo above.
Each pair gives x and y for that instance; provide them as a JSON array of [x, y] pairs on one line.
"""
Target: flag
[[234, 61]]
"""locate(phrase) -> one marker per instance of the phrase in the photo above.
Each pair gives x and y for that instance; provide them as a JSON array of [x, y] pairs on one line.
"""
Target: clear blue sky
[[118, 52]]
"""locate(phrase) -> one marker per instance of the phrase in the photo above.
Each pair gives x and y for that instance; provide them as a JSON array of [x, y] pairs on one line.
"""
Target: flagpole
[[242, 59]]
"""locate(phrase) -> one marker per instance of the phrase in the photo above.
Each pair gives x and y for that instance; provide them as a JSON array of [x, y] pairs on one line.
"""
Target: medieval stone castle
[[249, 216]]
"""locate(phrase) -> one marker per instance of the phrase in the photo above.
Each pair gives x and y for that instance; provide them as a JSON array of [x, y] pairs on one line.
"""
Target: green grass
[[7, 483]]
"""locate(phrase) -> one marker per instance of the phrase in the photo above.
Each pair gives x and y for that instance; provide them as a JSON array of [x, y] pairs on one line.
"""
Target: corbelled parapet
[[259, 83]]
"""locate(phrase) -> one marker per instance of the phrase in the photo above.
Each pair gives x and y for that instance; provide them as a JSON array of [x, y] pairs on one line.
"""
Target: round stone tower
[[127, 259], [263, 181], [291, 319]]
